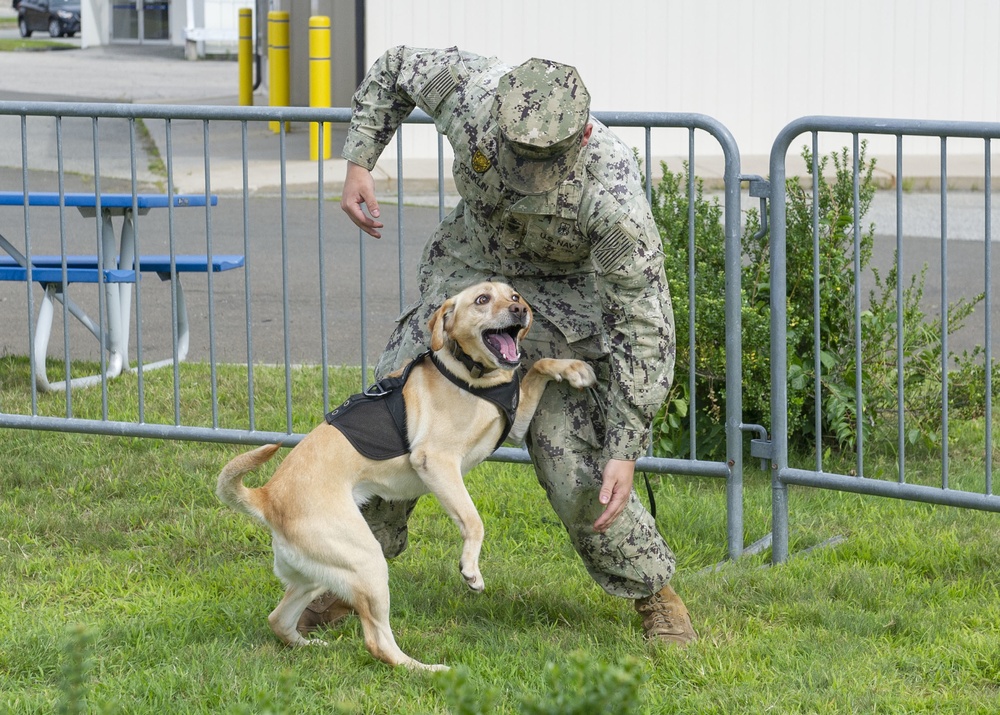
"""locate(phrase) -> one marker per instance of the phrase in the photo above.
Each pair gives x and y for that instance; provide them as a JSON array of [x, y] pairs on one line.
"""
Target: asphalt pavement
[[143, 75], [146, 75]]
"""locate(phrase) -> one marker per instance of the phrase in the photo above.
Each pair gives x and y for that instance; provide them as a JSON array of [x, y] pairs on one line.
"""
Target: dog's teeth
[[504, 345]]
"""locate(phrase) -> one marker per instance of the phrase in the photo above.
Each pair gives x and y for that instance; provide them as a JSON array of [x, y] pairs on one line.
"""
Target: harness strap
[[505, 396], [374, 421], [372, 410]]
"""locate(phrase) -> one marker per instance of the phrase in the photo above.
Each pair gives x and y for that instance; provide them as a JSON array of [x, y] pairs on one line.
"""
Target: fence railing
[[313, 292], [967, 276]]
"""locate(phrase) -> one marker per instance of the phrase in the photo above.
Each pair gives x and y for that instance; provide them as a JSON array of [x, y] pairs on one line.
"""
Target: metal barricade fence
[[313, 275], [904, 133]]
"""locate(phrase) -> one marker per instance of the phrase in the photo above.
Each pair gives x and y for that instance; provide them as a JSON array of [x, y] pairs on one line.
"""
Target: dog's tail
[[230, 489]]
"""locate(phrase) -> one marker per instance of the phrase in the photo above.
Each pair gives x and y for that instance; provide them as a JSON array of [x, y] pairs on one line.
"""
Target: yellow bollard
[[319, 81], [279, 79], [245, 56]]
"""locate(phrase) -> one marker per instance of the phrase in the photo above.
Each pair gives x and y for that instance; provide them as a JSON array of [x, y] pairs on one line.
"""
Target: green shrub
[[836, 260], [76, 669], [922, 355], [581, 686], [584, 686], [672, 426], [836, 243]]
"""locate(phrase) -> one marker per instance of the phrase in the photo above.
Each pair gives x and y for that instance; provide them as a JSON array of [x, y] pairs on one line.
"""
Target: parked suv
[[60, 17]]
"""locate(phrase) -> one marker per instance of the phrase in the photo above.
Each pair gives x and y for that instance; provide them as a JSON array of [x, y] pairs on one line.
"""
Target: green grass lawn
[[22, 44], [128, 585], [18, 44]]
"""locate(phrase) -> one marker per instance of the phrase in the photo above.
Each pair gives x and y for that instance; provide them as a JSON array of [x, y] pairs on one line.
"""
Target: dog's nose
[[516, 308]]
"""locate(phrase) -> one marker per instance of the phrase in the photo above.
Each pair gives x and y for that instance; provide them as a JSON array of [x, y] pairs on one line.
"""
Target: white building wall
[[95, 23], [224, 14], [754, 65]]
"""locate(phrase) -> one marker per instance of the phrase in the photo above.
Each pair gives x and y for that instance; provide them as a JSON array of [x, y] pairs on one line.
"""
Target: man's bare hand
[[616, 489], [359, 194]]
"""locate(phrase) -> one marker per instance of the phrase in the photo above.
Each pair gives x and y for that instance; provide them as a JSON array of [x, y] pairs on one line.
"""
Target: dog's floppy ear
[[528, 320], [438, 324]]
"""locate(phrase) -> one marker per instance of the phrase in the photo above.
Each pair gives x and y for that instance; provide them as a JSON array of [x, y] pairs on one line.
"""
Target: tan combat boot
[[324, 610], [665, 617]]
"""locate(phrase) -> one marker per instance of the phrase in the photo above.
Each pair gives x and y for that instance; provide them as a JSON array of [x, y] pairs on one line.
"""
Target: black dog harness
[[374, 421]]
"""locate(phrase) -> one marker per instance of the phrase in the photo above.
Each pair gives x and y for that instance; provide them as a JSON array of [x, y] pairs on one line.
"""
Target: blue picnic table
[[115, 268]]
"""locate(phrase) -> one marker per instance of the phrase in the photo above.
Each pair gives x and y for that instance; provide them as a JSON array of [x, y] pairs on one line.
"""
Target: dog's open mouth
[[503, 344]]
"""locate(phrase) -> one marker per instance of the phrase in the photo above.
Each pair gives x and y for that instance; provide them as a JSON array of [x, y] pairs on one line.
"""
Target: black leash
[[649, 493]]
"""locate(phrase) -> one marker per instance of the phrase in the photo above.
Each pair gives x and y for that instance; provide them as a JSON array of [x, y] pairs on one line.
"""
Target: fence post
[[319, 82], [779, 357], [278, 63]]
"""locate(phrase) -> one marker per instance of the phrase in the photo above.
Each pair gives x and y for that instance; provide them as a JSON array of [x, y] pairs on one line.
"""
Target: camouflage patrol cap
[[542, 109]]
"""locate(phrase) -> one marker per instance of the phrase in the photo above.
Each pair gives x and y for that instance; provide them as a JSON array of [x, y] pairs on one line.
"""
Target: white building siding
[[754, 65]]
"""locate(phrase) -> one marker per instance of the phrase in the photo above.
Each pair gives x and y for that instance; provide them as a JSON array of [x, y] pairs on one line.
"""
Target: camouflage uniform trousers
[[630, 560]]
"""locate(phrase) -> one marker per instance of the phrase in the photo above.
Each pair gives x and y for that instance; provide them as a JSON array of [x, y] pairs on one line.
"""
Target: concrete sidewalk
[[118, 73], [160, 75], [148, 75]]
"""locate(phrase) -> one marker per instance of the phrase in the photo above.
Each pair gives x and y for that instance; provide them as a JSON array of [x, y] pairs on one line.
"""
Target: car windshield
[[62, 3]]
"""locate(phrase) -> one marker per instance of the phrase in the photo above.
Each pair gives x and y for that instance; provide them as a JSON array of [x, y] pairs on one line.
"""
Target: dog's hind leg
[[284, 618], [371, 603], [363, 573]]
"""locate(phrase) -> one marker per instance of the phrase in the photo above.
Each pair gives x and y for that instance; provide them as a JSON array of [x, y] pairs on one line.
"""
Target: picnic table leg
[[126, 259], [43, 331], [43, 328], [183, 329], [113, 301]]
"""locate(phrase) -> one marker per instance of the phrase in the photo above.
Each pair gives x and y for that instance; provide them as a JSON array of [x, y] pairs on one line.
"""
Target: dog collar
[[476, 369]]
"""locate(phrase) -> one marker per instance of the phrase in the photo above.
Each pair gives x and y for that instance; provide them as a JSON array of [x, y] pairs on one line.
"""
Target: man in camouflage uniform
[[551, 201]]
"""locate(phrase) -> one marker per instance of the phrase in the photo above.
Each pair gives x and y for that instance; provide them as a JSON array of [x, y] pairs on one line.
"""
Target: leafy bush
[[584, 686], [672, 426], [922, 353], [581, 686], [836, 258], [836, 261]]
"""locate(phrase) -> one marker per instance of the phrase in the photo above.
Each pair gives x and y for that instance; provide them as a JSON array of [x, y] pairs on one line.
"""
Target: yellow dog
[[321, 541]]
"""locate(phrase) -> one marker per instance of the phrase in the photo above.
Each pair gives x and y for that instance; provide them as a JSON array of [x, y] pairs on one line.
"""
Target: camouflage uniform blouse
[[586, 256]]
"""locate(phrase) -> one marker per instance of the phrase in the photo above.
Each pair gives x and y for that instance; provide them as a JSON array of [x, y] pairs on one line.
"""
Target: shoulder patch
[[440, 86], [611, 252]]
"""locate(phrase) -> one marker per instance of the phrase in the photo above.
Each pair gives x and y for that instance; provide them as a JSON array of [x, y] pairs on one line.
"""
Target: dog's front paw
[[578, 374]]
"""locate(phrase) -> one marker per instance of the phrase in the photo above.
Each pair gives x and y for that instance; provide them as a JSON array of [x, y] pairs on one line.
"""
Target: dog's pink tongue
[[505, 344]]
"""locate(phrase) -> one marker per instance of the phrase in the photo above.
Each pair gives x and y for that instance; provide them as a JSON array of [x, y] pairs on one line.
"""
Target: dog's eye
[[483, 299], [515, 298]]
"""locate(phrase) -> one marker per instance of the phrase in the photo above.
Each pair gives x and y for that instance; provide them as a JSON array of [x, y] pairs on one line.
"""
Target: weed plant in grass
[[129, 588]]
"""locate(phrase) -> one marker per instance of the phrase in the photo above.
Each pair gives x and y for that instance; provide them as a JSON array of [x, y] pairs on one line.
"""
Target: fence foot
[[829, 543], [764, 543], [753, 549]]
